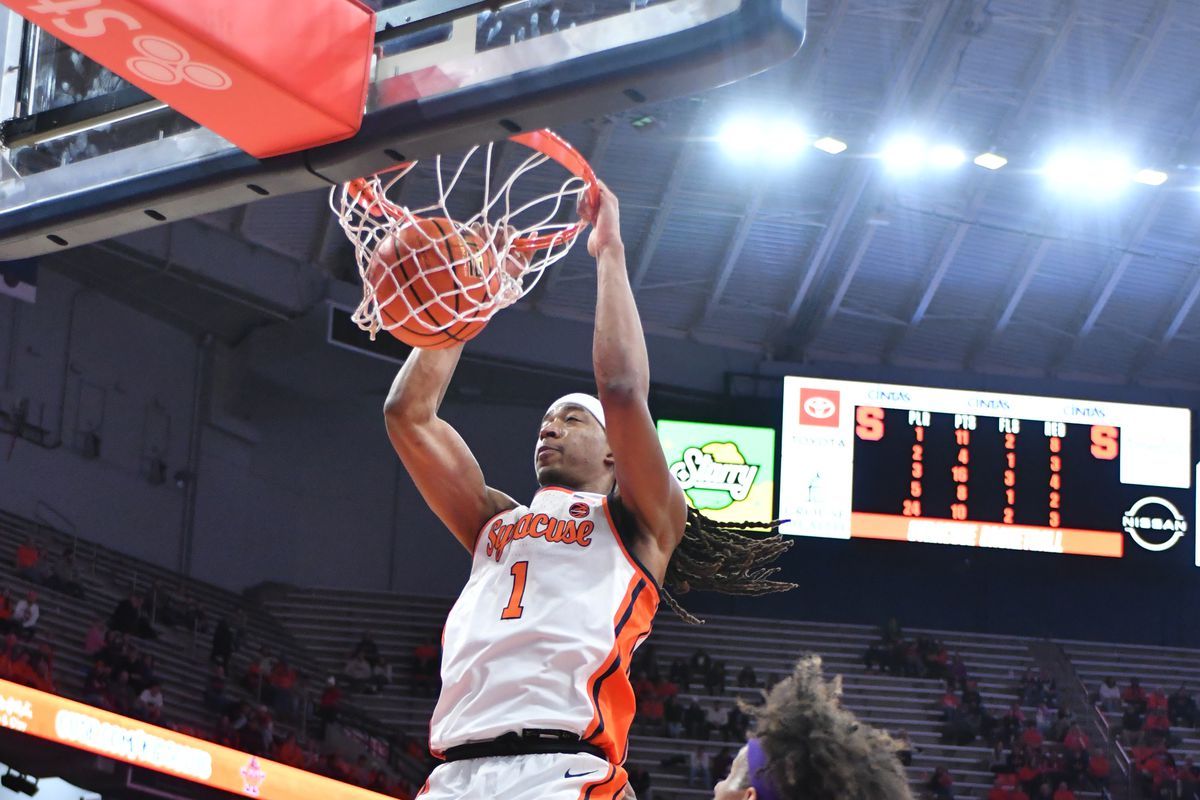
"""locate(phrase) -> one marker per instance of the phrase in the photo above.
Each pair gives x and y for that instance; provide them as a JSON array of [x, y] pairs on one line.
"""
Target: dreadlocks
[[818, 750], [724, 557]]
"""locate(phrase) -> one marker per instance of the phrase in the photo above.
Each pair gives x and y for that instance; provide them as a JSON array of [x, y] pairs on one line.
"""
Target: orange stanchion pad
[[272, 76]]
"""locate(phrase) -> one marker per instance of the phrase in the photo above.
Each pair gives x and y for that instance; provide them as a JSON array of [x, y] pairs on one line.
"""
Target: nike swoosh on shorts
[[569, 774]]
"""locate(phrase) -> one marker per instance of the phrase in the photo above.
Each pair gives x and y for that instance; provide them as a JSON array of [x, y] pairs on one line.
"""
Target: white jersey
[[543, 633]]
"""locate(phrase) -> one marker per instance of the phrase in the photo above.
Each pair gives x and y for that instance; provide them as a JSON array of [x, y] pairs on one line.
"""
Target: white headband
[[584, 401]]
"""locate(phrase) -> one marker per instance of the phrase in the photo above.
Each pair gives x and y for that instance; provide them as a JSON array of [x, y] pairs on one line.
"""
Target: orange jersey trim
[[609, 688], [610, 787]]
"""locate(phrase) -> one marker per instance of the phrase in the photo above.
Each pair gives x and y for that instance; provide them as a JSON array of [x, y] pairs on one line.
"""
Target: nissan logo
[[819, 407], [1158, 522]]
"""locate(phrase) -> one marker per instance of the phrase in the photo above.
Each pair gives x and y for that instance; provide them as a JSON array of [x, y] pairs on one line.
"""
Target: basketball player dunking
[[536, 699]]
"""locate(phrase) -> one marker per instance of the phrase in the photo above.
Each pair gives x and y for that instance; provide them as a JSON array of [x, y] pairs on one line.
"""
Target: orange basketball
[[424, 273]]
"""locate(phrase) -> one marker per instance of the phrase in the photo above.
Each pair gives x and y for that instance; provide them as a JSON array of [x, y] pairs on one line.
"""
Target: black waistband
[[527, 742]]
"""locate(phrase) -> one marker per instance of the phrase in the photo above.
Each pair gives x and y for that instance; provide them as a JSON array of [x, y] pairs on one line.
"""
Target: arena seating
[[181, 656], [1156, 667], [399, 624]]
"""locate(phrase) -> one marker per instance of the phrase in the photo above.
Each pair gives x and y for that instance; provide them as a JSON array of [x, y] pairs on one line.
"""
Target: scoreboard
[[983, 469]]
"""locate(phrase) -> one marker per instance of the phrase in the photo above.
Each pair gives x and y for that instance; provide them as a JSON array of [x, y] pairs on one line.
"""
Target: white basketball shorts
[[544, 776]]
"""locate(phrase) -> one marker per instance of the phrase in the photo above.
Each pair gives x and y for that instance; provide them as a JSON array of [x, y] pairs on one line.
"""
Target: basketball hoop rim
[[544, 141]]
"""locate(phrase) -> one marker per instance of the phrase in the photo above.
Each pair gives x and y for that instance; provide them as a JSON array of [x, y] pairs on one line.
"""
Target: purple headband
[[760, 776]]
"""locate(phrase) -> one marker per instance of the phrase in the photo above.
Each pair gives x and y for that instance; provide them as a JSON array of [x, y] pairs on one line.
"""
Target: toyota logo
[[820, 407]]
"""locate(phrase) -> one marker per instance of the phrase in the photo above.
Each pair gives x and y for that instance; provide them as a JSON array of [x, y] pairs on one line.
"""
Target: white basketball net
[[495, 268]]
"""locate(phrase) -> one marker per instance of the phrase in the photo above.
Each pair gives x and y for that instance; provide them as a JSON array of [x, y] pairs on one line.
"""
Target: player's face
[[572, 449], [737, 785]]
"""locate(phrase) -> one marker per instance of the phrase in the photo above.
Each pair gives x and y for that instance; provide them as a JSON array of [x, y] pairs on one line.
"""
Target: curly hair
[[818, 750], [727, 557]]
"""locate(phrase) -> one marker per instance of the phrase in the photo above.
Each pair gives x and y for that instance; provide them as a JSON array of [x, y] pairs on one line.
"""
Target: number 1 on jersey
[[514, 609]]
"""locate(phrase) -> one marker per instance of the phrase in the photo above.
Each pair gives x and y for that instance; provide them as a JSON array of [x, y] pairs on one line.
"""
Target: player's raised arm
[[644, 484], [435, 455]]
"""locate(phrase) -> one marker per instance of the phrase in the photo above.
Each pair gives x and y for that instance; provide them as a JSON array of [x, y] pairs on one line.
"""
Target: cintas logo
[[820, 407], [1154, 523], [717, 466]]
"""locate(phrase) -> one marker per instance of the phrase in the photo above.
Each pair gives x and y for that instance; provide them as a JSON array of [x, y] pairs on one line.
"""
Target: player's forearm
[[420, 385], [619, 346]]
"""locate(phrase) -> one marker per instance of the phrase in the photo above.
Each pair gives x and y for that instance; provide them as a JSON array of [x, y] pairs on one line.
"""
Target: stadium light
[[990, 161], [904, 154], [1150, 177], [945, 156], [746, 137], [1096, 173], [828, 144]]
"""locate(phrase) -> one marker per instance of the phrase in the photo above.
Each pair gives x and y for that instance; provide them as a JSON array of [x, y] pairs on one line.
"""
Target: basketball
[[425, 275]]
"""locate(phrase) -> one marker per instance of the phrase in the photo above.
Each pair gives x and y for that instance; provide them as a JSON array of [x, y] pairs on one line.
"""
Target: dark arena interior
[[918, 282]]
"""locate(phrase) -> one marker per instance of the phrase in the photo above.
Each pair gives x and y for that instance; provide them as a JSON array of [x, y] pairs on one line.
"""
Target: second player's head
[[808, 747], [572, 445]]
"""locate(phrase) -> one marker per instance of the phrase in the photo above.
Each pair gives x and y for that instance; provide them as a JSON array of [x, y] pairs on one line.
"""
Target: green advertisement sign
[[727, 471]]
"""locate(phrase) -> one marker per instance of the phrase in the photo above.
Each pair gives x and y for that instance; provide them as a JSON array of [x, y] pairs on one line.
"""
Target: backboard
[[85, 156]]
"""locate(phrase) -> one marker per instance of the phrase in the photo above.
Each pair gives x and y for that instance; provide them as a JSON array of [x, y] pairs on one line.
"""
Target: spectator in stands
[[214, 692], [1076, 740], [1156, 727], [734, 729], [6, 611], [941, 784], [367, 648], [257, 671], [65, 575], [673, 717], [289, 752], [122, 695], [746, 678], [282, 682], [330, 704], [1135, 695], [1060, 727], [128, 617], [1181, 708], [1157, 701], [640, 782], [94, 641], [26, 615], [142, 671], [665, 688], [999, 762], [95, 685], [680, 674], [1189, 780], [698, 767], [695, 722], [29, 562], [1109, 695], [1063, 792], [150, 703], [1099, 768], [426, 666], [714, 680], [1131, 724], [357, 673], [224, 643], [1031, 737]]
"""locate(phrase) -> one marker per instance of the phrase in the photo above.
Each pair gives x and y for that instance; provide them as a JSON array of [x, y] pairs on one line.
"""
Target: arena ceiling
[[820, 258]]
